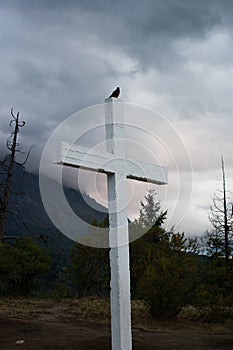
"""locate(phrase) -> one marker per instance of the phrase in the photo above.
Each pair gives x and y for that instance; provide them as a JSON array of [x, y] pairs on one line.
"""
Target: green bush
[[89, 270], [168, 283], [214, 296], [20, 265]]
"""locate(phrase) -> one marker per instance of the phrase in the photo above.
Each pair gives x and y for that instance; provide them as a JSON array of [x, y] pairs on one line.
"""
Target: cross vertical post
[[118, 231], [118, 169]]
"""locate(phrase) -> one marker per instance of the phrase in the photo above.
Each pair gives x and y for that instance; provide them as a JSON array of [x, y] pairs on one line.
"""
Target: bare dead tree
[[226, 226], [221, 219], [7, 170]]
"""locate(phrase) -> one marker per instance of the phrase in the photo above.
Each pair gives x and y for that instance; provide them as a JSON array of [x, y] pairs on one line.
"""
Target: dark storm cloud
[[145, 31], [60, 56]]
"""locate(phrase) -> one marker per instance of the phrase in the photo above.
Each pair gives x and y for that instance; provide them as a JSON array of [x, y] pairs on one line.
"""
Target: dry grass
[[97, 310], [23, 308]]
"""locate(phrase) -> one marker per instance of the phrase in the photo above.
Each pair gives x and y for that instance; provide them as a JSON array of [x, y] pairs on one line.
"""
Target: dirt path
[[52, 327], [39, 335]]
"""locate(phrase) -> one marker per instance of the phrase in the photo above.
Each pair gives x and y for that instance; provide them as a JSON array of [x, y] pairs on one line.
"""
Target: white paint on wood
[[108, 163], [118, 229]]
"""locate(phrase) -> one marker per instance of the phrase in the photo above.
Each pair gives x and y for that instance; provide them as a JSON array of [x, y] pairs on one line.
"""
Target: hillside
[[30, 218]]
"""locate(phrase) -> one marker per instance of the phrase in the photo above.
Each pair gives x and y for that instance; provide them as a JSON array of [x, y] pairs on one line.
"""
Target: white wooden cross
[[118, 168]]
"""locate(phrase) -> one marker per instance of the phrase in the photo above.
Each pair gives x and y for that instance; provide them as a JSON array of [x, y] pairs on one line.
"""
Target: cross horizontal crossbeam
[[107, 163]]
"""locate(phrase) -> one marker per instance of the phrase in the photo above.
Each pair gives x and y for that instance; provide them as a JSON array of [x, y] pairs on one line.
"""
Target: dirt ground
[[85, 324]]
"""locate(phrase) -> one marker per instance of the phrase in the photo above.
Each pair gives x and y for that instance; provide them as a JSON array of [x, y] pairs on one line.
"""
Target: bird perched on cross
[[115, 93]]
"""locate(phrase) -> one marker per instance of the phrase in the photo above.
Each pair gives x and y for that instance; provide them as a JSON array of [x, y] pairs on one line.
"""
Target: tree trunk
[[8, 166], [225, 214]]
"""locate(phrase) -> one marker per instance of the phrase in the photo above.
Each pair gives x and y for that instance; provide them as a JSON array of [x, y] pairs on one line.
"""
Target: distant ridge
[[31, 213]]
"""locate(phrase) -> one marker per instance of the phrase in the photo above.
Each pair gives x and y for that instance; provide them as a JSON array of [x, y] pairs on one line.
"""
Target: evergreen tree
[[163, 266]]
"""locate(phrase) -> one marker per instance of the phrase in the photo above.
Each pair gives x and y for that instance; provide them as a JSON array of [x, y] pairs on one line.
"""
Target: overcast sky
[[172, 56]]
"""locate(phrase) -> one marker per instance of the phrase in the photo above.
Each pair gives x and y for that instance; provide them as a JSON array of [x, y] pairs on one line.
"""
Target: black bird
[[116, 93]]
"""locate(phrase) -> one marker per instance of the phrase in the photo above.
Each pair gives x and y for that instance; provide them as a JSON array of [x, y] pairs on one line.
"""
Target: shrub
[[20, 265]]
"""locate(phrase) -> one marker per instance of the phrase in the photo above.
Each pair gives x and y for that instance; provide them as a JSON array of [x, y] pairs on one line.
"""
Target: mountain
[[30, 218]]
